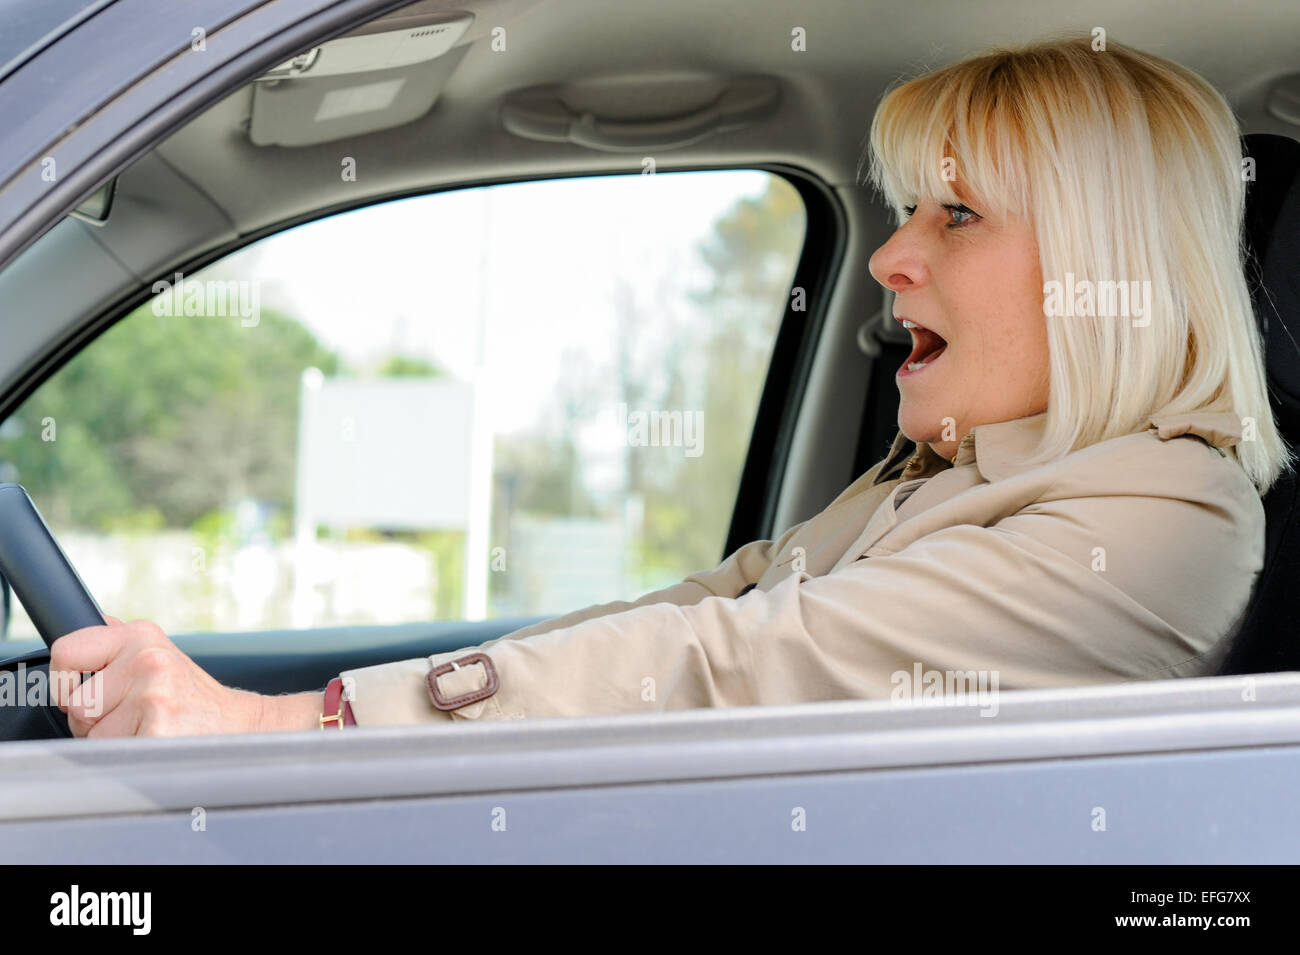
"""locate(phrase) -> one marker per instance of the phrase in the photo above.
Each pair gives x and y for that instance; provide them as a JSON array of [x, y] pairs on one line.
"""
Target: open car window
[[503, 401]]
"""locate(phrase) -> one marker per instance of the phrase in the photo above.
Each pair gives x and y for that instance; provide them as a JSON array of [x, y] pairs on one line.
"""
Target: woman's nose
[[896, 265]]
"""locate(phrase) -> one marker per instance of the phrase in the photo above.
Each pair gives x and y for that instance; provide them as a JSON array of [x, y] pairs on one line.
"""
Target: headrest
[[1273, 267]]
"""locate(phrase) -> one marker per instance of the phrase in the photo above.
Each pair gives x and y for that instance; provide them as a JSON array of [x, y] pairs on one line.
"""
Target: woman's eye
[[962, 215]]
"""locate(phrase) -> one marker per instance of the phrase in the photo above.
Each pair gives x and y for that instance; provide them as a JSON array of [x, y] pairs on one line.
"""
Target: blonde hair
[[1130, 169]]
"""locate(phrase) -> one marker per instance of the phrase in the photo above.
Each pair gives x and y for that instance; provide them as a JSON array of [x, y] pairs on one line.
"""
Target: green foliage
[[706, 351], [163, 420], [407, 366], [448, 548], [537, 475], [689, 501]]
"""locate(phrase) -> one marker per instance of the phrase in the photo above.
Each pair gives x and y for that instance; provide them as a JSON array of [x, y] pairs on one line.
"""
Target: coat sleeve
[[395, 692], [1016, 604]]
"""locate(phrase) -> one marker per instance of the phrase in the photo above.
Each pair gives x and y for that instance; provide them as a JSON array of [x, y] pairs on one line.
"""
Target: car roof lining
[[829, 91]]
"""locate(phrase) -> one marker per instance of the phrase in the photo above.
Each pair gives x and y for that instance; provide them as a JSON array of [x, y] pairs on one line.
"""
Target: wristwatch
[[337, 710]]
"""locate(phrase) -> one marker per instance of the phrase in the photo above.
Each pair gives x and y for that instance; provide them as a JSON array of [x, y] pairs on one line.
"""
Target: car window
[[501, 401]]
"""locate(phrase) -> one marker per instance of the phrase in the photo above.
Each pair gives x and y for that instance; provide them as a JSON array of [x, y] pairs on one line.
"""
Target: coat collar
[[1003, 449]]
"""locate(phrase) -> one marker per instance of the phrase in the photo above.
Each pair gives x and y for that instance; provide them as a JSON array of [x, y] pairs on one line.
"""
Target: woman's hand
[[141, 684]]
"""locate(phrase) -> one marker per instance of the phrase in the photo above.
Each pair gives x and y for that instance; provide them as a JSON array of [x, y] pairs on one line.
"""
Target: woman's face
[[970, 280]]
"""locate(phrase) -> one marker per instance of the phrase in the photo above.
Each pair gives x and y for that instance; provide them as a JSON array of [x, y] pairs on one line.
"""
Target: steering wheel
[[52, 593]]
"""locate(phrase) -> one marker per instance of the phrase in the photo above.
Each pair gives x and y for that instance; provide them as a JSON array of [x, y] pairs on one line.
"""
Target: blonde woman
[[1074, 493]]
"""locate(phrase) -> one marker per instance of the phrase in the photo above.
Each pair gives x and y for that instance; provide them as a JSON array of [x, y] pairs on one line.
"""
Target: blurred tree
[[166, 418], [705, 351], [717, 363], [408, 366]]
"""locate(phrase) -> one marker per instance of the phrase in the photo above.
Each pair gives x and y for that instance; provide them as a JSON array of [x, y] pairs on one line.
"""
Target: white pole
[[479, 525], [304, 550]]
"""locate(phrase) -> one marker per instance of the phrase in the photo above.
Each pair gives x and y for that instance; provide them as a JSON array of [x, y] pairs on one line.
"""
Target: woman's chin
[[920, 423]]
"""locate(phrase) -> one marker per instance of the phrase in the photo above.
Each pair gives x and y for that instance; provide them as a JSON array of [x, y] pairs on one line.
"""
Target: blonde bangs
[[950, 137]]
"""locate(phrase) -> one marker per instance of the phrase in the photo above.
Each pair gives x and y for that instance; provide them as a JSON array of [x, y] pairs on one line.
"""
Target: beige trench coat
[[1131, 559]]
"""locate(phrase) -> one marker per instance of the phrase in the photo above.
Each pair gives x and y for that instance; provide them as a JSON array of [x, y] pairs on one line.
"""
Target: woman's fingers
[[122, 721], [141, 684], [90, 648]]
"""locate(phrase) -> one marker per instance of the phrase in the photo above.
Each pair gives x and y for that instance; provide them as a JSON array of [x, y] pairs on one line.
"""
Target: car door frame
[[143, 87]]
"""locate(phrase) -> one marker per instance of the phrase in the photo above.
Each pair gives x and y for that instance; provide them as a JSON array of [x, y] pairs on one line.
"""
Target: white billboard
[[393, 454]]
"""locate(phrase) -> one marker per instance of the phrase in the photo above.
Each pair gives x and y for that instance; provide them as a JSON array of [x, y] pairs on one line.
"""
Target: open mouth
[[927, 346]]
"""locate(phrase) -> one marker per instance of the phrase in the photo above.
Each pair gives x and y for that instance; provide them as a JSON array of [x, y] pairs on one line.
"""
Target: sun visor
[[357, 84]]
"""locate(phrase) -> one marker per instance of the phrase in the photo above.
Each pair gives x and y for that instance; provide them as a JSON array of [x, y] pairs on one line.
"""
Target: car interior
[[437, 96]]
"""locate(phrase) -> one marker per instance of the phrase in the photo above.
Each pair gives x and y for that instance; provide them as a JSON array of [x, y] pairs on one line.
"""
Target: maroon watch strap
[[338, 711]]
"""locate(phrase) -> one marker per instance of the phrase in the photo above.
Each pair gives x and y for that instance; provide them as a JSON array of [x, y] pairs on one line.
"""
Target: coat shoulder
[[1183, 467]]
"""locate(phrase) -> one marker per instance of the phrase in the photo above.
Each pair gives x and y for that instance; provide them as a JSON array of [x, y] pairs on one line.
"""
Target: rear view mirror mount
[[94, 208]]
